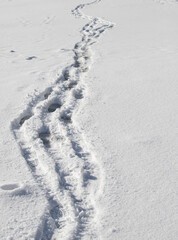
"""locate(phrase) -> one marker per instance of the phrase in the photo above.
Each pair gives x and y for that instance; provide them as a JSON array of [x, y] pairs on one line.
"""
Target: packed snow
[[89, 136]]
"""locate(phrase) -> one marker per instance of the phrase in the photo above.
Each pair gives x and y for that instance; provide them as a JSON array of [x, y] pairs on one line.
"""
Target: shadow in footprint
[[87, 176], [30, 58], [66, 75], [66, 118], [86, 57], [78, 94], [47, 93], [9, 187], [84, 69], [78, 150], [56, 214], [77, 64], [71, 85], [45, 138], [22, 120], [53, 107], [50, 222], [77, 46], [16, 189]]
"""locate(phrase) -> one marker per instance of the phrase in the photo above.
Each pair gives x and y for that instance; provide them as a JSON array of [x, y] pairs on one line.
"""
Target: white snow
[[89, 136]]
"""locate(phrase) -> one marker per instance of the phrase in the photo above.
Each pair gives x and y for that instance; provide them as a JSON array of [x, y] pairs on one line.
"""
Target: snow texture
[[91, 152]]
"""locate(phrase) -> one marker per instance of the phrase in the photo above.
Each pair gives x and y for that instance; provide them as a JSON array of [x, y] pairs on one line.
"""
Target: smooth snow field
[[89, 120]]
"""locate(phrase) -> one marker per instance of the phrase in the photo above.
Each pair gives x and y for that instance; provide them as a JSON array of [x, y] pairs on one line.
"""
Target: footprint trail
[[55, 149]]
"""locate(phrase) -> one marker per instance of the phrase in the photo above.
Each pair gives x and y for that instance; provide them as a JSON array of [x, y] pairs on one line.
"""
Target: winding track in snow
[[54, 148]]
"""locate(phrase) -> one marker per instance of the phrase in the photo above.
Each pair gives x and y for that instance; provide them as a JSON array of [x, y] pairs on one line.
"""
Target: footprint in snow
[[66, 118], [53, 107], [9, 187], [78, 93], [56, 214], [22, 120], [77, 64], [45, 138], [31, 58], [71, 85], [66, 75], [15, 189], [47, 93]]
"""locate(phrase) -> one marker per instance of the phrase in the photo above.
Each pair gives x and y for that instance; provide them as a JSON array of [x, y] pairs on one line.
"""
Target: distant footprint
[[48, 19], [30, 58]]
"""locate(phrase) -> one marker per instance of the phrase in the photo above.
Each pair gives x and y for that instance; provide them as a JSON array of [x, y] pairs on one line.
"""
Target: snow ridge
[[55, 149]]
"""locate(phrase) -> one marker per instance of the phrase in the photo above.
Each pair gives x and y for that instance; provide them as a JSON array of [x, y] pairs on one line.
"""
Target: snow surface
[[89, 136]]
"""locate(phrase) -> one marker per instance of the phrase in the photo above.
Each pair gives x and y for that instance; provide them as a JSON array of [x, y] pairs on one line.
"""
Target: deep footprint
[[45, 138], [53, 107]]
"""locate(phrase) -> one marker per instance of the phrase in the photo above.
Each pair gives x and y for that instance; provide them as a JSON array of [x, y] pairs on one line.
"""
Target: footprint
[[66, 118], [9, 187], [22, 120], [71, 85], [85, 69], [78, 94], [77, 45], [77, 64], [56, 214], [53, 107], [66, 74], [30, 58], [86, 57], [101, 31], [45, 138], [78, 55], [87, 176], [16, 189], [47, 93]]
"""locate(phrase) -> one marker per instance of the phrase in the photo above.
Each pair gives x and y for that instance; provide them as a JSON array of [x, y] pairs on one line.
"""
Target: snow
[[88, 119]]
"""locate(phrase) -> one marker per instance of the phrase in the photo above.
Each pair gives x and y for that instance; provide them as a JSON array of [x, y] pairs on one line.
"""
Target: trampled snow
[[88, 119]]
